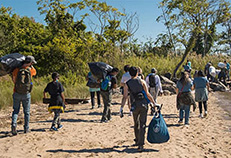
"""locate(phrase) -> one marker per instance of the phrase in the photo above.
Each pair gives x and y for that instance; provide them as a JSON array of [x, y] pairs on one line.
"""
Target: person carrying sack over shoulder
[[106, 86], [140, 98], [57, 100], [22, 78]]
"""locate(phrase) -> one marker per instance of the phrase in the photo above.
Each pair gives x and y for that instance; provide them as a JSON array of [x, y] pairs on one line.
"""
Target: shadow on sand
[[127, 149]]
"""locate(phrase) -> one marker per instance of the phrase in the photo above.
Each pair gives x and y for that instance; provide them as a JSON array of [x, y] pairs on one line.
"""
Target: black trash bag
[[99, 69], [9, 62]]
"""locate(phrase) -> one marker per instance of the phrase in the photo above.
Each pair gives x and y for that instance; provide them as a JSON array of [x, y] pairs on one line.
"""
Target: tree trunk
[[189, 47]]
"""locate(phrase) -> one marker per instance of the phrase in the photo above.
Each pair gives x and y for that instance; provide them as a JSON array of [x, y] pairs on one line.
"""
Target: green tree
[[192, 18]]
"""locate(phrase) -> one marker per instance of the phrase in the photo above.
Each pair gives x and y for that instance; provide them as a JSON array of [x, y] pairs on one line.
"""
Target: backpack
[[23, 84], [106, 83], [152, 80]]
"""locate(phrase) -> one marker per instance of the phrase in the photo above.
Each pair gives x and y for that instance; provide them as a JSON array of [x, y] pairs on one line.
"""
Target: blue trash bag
[[157, 129]]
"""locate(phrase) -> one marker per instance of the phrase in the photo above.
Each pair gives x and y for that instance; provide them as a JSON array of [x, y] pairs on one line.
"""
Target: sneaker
[[99, 106], [26, 130], [186, 125], [180, 121], [60, 126], [206, 114], [13, 130], [140, 148], [92, 107], [53, 128], [201, 116], [121, 114], [130, 113], [104, 121]]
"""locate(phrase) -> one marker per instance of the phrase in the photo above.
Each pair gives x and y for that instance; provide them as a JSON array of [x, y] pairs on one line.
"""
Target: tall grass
[[6, 90]]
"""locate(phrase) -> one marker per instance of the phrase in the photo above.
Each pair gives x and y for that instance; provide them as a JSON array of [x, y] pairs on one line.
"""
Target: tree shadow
[[126, 149]]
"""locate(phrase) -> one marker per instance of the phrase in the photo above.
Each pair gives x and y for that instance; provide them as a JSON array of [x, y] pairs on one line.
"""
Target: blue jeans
[[25, 99], [185, 109]]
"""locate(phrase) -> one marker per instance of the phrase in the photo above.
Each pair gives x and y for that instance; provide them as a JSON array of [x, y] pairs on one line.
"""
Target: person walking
[[57, 100], [138, 93], [201, 85], [94, 87], [154, 84], [109, 83], [184, 97], [126, 76], [227, 69], [22, 78]]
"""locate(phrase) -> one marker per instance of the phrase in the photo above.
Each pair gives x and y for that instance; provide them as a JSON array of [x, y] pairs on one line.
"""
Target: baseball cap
[[30, 59], [153, 70]]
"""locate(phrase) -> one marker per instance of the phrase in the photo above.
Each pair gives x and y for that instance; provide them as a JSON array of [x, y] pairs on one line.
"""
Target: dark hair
[[184, 78], [55, 75], [133, 71], [115, 69], [200, 74], [126, 68]]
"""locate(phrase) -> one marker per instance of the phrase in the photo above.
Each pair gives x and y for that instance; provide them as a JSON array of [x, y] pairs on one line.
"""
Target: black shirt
[[55, 89]]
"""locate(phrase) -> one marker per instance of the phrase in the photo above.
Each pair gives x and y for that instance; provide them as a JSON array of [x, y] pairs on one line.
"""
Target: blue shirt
[[187, 87], [200, 82], [227, 66]]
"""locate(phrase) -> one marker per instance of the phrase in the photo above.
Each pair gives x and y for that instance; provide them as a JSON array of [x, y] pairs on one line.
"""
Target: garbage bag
[[9, 62], [157, 129], [99, 69]]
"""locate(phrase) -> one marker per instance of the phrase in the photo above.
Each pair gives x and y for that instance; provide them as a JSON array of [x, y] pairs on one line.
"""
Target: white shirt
[[125, 77], [157, 79]]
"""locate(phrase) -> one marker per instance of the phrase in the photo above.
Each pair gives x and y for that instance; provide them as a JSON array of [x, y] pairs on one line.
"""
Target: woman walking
[[184, 97], [201, 85]]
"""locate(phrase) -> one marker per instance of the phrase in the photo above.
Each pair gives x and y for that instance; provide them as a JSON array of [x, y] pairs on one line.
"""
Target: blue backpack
[[106, 83], [157, 129]]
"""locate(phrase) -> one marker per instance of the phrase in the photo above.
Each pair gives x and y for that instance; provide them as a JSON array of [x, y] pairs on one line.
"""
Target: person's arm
[[208, 86], [32, 71], [159, 83], [122, 84], [114, 82], [63, 97], [125, 96], [193, 87], [14, 74], [177, 91], [44, 94]]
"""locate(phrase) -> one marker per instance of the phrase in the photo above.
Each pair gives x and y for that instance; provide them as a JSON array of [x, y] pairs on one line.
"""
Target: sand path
[[84, 136]]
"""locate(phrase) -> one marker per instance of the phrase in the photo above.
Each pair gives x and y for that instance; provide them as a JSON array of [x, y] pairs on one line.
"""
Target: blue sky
[[147, 11]]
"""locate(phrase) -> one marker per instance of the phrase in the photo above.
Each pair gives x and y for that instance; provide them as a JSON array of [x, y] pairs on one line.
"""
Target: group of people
[[223, 74], [138, 91]]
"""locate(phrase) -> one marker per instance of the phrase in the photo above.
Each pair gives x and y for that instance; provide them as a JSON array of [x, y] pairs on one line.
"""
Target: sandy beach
[[83, 135]]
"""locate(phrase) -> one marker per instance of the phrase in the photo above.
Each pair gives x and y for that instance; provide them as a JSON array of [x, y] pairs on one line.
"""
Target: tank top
[[135, 87]]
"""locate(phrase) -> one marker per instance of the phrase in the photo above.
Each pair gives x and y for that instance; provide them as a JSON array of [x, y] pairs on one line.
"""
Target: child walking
[[57, 99]]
